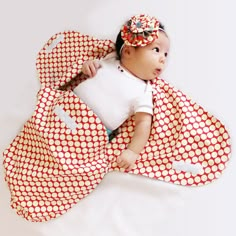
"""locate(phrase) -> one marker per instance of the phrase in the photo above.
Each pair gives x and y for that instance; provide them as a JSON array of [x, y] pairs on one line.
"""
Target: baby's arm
[[142, 130], [90, 68]]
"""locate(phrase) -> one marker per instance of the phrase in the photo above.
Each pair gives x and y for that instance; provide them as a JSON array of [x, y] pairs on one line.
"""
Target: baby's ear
[[127, 51]]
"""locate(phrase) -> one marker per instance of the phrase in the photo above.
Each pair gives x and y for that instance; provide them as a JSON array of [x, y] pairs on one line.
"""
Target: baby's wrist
[[130, 150]]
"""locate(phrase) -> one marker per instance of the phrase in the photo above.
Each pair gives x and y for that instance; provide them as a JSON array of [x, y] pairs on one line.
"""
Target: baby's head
[[142, 46]]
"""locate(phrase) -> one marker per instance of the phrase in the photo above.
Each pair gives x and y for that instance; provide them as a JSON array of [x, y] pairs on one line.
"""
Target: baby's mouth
[[158, 71]]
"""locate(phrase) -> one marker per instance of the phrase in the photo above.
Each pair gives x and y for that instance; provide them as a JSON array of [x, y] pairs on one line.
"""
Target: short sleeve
[[144, 103]]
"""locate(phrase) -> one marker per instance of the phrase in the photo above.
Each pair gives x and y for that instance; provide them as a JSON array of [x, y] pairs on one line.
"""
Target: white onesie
[[114, 94]]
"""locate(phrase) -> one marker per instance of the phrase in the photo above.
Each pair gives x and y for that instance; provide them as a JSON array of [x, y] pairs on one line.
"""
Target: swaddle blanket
[[62, 153]]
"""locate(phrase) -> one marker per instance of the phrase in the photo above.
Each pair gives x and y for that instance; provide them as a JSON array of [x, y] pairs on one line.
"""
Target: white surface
[[202, 64]]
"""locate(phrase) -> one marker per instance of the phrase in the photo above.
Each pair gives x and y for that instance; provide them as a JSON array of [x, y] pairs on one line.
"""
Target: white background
[[201, 64]]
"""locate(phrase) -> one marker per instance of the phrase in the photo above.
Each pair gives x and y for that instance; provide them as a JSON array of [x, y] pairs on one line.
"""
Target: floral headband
[[140, 30]]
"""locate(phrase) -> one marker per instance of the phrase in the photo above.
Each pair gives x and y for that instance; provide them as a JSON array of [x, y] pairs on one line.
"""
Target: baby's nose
[[162, 59]]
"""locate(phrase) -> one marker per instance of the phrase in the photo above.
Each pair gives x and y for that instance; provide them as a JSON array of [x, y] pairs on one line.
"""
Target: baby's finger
[[130, 167], [124, 165], [120, 162], [86, 70], [97, 64], [92, 70]]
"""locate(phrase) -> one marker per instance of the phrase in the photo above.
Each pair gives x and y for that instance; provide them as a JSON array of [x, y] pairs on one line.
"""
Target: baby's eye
[[156, 49], [166, 54]]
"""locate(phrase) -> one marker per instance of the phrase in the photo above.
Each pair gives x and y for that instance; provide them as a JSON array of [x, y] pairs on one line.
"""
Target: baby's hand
[[127, 159], [90, 68]]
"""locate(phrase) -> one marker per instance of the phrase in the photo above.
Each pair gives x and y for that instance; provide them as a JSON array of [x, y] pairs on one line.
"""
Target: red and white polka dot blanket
[[62, 152]]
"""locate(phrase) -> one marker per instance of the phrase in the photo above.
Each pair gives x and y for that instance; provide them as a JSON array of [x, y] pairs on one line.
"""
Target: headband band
[[160, 29]]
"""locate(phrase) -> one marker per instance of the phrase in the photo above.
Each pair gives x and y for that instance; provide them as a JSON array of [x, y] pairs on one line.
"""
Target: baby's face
[[150, 61]]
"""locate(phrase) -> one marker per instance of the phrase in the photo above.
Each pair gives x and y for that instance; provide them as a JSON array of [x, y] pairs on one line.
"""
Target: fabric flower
[[140, 30]]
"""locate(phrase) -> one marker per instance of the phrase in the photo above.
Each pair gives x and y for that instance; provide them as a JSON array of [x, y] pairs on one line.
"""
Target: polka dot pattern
[[182, 131], [64, 61], [50, 165]]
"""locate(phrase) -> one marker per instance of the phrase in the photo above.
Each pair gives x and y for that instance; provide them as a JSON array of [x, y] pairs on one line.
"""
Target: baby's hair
[[120, 41]]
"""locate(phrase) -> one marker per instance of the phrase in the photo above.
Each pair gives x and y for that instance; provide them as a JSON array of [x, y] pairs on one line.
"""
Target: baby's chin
[[152, 78]]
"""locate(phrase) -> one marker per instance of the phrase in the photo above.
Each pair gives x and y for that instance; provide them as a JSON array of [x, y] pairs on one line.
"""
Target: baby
[[120, 86]]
